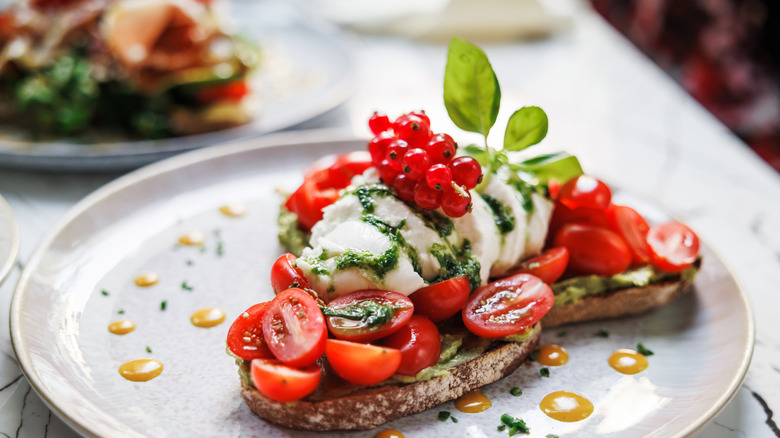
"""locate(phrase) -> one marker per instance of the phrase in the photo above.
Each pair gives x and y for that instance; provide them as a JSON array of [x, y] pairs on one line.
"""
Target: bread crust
[[371, 407], [616, 304]]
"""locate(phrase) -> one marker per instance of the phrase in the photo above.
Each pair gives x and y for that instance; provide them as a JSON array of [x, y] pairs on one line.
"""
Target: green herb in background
[[643, 350]]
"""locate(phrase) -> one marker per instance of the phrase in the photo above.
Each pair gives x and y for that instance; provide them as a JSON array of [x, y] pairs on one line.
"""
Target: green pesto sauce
[[504, 219], [525, 190], [291, 237], [365, 194], [456, 263], [380, 264], [436, 221], [573, 289]]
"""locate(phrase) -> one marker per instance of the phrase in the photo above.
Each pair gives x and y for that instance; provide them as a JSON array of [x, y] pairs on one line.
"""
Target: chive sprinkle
[[189, 262], [643, 350], [515, 425], [544, 372], [602, 333], [454, 420], [185, 286], [444, 415], [104, 292], [163, 305], [549, 435], [148, 349], [121, 311], [516, 391], [562, 333]]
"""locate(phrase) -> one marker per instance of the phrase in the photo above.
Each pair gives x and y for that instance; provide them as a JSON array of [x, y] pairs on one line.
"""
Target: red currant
[[438, 176], [441, 148], [379, 123], [455, 202], [395, 153], [421, 114], [426, 197], [415, 163], [466, 171], [386, 173], [377, 147], [404, 187], [413, 129]]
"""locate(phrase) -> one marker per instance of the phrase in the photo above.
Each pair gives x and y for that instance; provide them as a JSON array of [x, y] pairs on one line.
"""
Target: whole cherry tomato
[[419, 343], [633, 228], [585, 191], [673, 246], [548, 266], [284, 274], [593, 250], [441, 300]]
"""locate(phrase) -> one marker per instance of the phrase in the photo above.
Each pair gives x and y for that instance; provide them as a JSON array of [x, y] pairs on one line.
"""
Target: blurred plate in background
[[9, 239], [307, 70]]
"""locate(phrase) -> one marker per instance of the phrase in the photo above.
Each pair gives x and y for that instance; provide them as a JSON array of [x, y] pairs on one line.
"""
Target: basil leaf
[[560, 166], [477, 153], [526, 127], [471, 91]]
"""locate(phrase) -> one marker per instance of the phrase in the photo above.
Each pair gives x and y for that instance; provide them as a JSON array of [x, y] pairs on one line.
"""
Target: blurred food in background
[[726, 53], [145, 68]]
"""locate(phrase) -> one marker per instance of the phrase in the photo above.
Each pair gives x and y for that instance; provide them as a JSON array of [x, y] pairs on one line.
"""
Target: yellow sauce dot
[[207, 317], [192, 238], [552, 355], [121, 327], [233, 210], [566, 406], [389, 433], [473, 402], [141, 370], [147, 279], [627, 361]]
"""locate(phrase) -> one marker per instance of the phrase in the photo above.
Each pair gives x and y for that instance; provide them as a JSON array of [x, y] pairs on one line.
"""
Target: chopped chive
[[104, 292], [444, 415], [202, 248], [516, 391], [220, 249], [532, 357], [643, 350], [163, 305], [121, 311], [562, 333], [190, 262], [549, 435], [515, 425], [148, 349], [501, 427], [454, 420], [603, 333], [185, 286], [544, 372]]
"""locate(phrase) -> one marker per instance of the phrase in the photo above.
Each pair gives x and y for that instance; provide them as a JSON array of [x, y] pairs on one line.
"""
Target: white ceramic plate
[[307, 71], [9, 239], [59, 318]]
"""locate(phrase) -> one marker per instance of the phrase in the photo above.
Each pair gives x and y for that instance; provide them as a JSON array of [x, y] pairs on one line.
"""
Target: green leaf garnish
[[472, 95], [560, 166], [526, 127]]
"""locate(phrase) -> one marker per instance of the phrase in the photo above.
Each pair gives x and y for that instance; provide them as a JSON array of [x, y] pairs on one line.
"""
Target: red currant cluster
[[420, 165]]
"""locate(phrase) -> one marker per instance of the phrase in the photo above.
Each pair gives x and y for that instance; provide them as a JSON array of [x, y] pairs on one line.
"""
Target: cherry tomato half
[[232, 91], [593, 250], [308, 201], [585, 191], [441, 300], [294, 328], [548, 266], [362, 364], [283, 383], [337, 170], [563, 215], [245, 337], [370, 305], [673, 246], [507, 306], [419, 343], [284, 274], [633, 228]]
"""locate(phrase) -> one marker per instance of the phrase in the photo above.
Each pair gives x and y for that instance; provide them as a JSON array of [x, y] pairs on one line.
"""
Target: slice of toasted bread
[[617, 303], [371, 407]]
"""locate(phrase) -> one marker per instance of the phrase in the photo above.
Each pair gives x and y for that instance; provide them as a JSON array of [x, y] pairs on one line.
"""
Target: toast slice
[[618, 303], [370, 407]]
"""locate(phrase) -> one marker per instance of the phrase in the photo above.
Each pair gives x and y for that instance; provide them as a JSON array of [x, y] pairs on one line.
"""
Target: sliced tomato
[[337, 170], [284, 383], [232, 91], [585, 191], [369, 314], [284, 274], [507, 306], [419, 343], [294, 328], [593, 250], [245, 337], [308, 201], [563, 215], [441, 300], [362, 364], [633, 228], [548, 266], [673, 246]]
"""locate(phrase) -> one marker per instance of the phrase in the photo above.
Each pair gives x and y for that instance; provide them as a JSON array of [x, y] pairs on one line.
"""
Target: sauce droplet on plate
[[121, 327], [552, 355], [147, 279], [627, 361], [207, 317], [389, 433], [233, 210], [192, 238], [141, 370], [566, 406], [473, 402]]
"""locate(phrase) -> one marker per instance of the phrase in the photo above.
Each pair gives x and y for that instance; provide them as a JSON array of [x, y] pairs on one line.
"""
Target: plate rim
[[12, 256], [280, 140]]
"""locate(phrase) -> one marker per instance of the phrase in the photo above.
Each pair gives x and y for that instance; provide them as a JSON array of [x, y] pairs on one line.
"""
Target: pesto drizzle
[[369, 312], [457, 263], [505, 220]]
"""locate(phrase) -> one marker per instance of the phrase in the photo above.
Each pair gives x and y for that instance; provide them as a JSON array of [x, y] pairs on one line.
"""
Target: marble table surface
[[626, 120]]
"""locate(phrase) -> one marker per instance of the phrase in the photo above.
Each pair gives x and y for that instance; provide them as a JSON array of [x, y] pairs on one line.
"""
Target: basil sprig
[[472, 96]]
